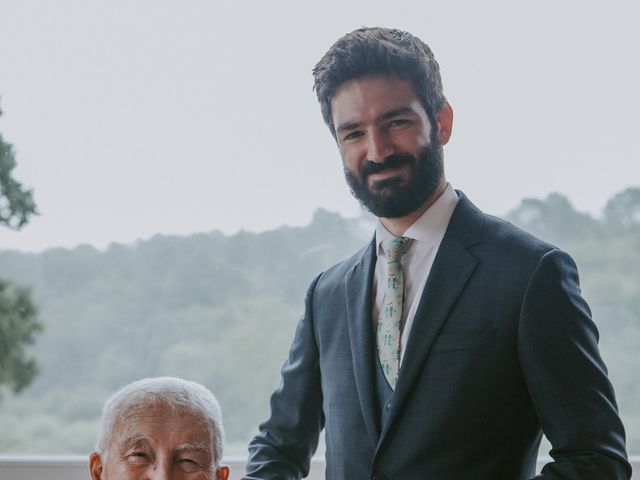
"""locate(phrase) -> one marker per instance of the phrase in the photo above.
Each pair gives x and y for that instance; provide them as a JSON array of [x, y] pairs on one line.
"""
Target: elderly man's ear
[[95, 466], [223, 473]]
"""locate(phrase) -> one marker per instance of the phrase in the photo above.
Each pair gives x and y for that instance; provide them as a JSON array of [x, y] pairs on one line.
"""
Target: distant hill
[[221, 310]]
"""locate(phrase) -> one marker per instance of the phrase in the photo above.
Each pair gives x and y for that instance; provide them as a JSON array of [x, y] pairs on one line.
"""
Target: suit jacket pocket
[[450, 342]]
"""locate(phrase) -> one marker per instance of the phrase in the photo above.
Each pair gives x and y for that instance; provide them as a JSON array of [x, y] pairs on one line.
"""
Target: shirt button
[[388, 406]]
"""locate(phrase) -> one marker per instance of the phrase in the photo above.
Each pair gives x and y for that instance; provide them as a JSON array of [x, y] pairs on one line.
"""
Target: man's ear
[[223, 473], [445, 123], [95, 466]]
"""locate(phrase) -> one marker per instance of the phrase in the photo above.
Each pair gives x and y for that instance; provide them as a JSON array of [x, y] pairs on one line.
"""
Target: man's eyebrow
[[385, 116], [193, 447], [132, 440], [347, 126], [396, 112]]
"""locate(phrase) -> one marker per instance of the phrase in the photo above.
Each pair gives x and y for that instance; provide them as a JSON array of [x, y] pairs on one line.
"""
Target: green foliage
[[217, 309], [18, 327], [16, 202], [622, 212], [18, 323], [554, 219]]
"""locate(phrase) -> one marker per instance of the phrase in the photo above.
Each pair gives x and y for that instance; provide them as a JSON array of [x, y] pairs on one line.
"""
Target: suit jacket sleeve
[[566, 377], [288, 439]]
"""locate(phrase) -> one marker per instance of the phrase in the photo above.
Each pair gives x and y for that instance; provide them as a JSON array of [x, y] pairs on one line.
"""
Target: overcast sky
[[131, 118]]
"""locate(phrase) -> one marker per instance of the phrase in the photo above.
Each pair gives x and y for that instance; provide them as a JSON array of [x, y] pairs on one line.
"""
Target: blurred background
[[179, 189]]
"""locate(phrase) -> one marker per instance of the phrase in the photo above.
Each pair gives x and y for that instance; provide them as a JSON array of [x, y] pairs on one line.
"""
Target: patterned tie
[[390, 318]]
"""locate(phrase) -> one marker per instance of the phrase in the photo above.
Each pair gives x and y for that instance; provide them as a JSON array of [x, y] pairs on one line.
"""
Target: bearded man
[[445, 348]]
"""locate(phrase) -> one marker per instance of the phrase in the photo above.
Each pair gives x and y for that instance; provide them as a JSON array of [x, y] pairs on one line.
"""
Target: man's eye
[[188, 466], [399, 122], [138, 458], [352, 135]]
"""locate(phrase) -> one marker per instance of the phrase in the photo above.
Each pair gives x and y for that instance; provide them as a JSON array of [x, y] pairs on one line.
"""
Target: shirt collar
[[432, 224]]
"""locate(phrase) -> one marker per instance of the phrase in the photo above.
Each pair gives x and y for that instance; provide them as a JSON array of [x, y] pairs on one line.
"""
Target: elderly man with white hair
[[160, 429]]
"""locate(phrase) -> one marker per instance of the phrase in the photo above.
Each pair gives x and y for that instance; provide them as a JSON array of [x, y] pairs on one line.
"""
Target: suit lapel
[[449, 274], [358, 292]]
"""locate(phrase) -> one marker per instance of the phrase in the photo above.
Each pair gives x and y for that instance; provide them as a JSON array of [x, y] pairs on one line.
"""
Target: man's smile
[[374, 178]]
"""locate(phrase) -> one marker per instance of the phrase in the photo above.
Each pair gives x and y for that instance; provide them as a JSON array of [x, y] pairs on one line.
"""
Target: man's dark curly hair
[[379, 50]]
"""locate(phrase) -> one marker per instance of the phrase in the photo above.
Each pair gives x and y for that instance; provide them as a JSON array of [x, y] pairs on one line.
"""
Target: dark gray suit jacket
[[502, 348]]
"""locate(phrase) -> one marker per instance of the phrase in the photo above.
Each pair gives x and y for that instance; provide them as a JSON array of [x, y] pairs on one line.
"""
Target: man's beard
[[394, 197]]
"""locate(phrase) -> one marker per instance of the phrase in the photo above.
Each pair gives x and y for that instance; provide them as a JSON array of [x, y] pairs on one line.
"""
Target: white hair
[[178, 394]]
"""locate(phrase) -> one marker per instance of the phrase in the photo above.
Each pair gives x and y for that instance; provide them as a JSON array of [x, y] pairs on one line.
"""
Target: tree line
[[221, 310]]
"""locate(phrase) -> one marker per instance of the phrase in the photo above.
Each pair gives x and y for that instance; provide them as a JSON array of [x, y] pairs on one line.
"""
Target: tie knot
[[395, 247]]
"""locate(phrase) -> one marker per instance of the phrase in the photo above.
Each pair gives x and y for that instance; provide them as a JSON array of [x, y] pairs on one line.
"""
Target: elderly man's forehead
[[140, 440], [133, 422]]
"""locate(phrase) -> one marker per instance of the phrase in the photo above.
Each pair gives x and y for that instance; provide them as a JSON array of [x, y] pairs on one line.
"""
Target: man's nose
[[378, 147]]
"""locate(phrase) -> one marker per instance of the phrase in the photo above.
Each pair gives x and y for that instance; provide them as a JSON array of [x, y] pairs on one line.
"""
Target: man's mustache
[[393, 161]]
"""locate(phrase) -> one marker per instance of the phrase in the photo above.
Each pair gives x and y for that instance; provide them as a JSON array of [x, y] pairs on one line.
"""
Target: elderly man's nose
[[378, 147]]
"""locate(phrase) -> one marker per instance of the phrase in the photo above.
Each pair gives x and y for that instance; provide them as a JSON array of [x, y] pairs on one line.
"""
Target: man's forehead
[[145, 423], [376, 83], [373, 96], [134, 416], [134, 439]]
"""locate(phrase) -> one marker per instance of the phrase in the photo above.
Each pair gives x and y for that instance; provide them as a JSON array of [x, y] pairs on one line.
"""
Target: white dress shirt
[[426, 234]]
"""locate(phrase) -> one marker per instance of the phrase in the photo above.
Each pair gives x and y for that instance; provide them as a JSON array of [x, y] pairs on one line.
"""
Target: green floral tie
[[390, 318]]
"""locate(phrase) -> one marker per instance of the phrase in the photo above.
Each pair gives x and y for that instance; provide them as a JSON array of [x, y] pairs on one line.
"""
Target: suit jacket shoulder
[[470, 222]]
